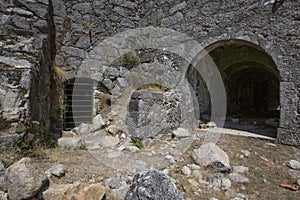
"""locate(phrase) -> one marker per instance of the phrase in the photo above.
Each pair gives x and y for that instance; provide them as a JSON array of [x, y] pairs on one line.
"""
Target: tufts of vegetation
[[131, 60], [137, 142], [154, 87]]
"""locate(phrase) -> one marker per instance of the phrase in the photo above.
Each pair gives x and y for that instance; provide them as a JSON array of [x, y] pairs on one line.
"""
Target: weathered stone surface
[[98, 122], [181, 133], [294, 164], [113, 129], [238, 178], [82, 191], [25, 179], [186, 170], [240, 169], [208, 154], [149, 185], [3, 195], [70, 142], [57, 170]]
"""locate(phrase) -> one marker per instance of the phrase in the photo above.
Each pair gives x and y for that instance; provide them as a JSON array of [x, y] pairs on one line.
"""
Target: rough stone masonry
[[35, 34]]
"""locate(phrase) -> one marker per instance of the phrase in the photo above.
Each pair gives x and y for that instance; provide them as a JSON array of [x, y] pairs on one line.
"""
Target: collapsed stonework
[[247, 42]]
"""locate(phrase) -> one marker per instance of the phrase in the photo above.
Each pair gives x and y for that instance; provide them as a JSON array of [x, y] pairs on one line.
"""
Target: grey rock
[[240, 169], [226, 184], [76, 190], [2, 168], [113, 154], [132, 149], [71, 143], [57, 170], [75, 52], [7, 141], [170, 158], [298, 182], [84, 129], [238, 178], [109, 141], [25, 179], [245, 153], [186, 170], [178, 7], [208, 154], [59, 8], [294, 173], [114, 183], [294, 164], [3, 195], [113, 129], [181, 133], [197, 174], [83, 8], [22, 12], [108, 83], [122, 82], [83, 42], [98, 122], [215, 179], [148, 185]]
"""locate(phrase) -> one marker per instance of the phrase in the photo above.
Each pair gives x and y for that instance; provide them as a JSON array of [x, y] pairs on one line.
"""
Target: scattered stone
[[197, 174], [211, 125], [84, 129], [56, 170], [113, 183], [186, 170], [215, 179], [133, 149], [113, 129], [270, 144], [7, 141], [298, 182], [181, 133], [109, 141], [170, 158], [3, 196], [226, 184], [203, 183], [194, 166], [294, 164], [240, 196], [80, 191], [209, 153], [238, 178], [25, 179], [113, 154], [212, 198], [165, 171], [294, 173], [2, 168], [245, 153], [148, 185], [240, 169], [98, 122], [70, 143]]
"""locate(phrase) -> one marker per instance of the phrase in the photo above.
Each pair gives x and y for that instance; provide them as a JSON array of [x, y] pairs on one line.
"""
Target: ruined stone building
[[47, 47]]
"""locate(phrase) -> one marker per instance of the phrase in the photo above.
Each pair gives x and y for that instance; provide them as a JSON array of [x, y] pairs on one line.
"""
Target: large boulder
[[153, 113], [210, 154], [153, 185], [25, 179], [82, 191]]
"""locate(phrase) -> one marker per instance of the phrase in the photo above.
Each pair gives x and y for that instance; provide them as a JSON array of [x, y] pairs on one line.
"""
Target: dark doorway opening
[[78, 102]]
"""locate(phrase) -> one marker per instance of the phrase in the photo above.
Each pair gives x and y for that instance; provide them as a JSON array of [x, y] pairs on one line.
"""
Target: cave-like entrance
[[251, 81], [78, 102]]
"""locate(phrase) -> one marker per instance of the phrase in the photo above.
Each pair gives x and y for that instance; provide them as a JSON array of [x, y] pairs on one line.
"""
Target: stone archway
[[251, 79]]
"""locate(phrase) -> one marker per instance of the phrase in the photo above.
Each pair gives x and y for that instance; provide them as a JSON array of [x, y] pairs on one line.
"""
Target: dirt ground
[[267, 168]]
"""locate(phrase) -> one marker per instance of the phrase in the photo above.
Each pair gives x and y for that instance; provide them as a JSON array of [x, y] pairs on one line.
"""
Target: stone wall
[[81, 25], [26, 55]]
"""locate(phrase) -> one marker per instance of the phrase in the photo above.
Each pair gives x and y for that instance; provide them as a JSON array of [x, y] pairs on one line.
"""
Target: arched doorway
[[78, 102], [251, 81]]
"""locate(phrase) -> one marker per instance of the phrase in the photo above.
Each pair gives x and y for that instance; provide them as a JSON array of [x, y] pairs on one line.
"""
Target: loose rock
[[56, 170], [294, 164], [82, 191], [186, 170], [238, 178], [25, 179], [240, 169], [181, 133], [149, 185], [209, 153]]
